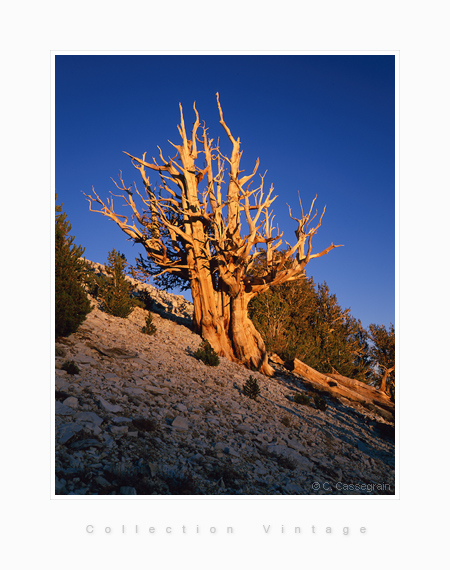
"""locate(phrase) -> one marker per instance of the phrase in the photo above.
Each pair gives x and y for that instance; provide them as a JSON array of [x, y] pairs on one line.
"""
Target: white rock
[[89, 417], [180, 423], [231, 451], [284, 451], [134, 391], [296, 445], [72, 402], [102, 481], [105, 405], [85, 359], [111, 376], [242, 429], [157, 391], [67, 431], [62, 409], [119, 430], [61, 383], [121, 420]]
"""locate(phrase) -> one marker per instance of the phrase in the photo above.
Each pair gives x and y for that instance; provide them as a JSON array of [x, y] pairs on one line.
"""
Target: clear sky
[[320, 124]]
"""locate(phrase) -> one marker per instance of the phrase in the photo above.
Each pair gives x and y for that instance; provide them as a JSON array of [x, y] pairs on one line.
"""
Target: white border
[[400, 533]]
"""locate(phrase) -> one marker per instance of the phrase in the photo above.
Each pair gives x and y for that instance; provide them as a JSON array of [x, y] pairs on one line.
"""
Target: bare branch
[[193, 231]]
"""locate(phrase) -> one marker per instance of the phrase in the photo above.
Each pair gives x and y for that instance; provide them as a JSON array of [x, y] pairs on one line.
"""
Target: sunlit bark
[[195, 231]]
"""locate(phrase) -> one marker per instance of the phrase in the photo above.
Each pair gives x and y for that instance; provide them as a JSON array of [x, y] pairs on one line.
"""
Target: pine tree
[[71, 301], [283, 317], [340, 340], [116, 292], [298, 321], [251, 388], [382, 355], [149, 328]]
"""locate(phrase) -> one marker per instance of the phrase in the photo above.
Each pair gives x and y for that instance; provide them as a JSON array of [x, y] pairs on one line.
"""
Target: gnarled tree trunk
[[230, 331], [194, 234], [247, 342]]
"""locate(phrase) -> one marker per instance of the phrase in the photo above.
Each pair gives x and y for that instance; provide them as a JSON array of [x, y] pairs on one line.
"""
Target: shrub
[[302, 399], [144, 300], [149, 328], [136, 302], [285, 462], [226, 474], [71, 301], [207, 354], [70, 367], [251, 388], [145, 425], [286, 421], [320, 403]]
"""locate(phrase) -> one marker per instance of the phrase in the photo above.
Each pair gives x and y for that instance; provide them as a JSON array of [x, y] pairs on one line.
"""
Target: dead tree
[[206, 226]]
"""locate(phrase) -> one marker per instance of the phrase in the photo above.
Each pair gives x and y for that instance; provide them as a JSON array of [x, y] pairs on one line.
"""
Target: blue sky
[[320, 124]]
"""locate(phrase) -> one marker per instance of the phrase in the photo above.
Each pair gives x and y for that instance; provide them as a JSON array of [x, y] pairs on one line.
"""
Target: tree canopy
[[300, 320]]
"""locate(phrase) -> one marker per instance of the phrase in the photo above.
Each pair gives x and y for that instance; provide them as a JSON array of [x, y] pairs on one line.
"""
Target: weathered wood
[[387, 371], [197, 235], [338, 385], [363, 389]]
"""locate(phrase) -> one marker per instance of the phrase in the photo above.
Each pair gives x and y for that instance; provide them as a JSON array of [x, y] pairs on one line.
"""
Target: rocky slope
[[143, 416]]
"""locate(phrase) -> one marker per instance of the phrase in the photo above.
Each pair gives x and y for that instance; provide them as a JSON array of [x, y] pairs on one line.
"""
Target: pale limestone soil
[[201, 435]]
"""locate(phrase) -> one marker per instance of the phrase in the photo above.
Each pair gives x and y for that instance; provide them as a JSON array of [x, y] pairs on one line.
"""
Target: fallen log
[[364, 389], [338, 385]]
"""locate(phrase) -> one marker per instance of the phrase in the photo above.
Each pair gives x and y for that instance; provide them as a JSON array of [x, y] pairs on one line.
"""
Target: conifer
[[382, 355], [71, 301], [116, 292], [149, 328], [299, 320], [207, 354], [251, 388]]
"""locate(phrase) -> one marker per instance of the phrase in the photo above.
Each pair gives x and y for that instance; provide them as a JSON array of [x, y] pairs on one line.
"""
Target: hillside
[[144, 417]]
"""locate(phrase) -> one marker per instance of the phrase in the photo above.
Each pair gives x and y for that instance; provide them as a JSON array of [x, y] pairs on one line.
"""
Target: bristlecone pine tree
[[71, 301], [193, 233], [116, 292]]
